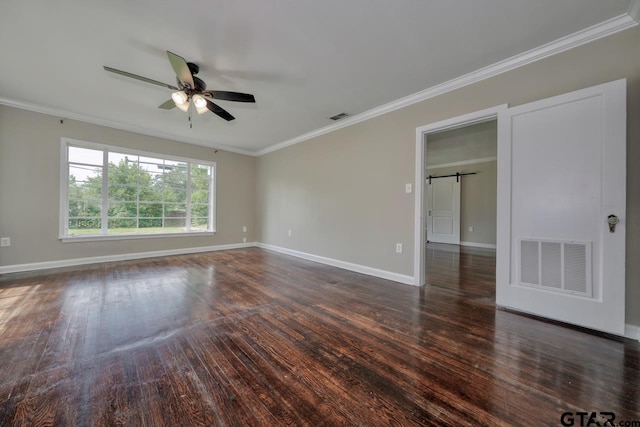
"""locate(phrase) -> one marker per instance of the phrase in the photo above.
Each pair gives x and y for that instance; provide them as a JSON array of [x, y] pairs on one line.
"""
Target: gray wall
[[478, 200], [343, 193], [477, 141], [30, 193]]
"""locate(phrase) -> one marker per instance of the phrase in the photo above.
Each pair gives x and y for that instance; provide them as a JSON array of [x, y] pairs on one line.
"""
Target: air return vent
[[556, 266], [339, 116]]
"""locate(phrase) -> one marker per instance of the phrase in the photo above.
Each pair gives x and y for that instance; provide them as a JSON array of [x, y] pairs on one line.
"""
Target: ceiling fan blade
[[137, 77], [182, 69], [231, 96], [216, 109], [167, 105]]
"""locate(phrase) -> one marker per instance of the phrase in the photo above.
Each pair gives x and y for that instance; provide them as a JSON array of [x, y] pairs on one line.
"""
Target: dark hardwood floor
[[251, 337]]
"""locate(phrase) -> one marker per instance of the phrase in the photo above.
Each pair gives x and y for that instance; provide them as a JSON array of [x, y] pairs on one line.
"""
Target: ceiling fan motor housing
[[199, 85], [194, 68]]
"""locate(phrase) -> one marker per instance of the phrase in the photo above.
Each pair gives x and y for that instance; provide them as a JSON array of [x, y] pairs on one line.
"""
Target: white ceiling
[[303, 60]]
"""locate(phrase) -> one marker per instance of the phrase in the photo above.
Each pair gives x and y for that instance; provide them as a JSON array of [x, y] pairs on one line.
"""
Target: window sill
[[94, 238]]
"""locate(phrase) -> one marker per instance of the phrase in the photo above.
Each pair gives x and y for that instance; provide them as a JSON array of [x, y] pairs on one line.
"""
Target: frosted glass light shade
[[179, 97], [200, 103], [184, 107]]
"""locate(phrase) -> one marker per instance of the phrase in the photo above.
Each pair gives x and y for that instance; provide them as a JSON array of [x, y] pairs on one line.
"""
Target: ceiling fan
[[191, 89]]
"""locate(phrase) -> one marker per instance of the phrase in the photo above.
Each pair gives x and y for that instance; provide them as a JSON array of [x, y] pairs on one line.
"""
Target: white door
[[443, 210], [556, 256]]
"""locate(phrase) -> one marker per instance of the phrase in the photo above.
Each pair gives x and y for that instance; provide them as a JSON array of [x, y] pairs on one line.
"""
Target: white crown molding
[[383, 274], [121, 257], [595, 32], [56, 112], [463, 163]]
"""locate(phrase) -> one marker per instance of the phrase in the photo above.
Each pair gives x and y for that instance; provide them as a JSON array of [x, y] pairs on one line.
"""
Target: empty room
[[320, 213]]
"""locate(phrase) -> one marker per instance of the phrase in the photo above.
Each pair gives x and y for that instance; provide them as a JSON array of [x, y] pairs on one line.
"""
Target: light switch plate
[[408, 188]]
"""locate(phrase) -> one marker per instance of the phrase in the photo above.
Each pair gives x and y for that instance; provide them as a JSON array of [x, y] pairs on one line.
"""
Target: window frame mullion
[[212, 197], [138, 194], [104, 229], [188, 219]]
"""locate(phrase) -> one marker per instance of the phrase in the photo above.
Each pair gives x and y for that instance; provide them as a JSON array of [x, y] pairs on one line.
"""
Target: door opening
[[437, 161], [460, 198], [561, 178]]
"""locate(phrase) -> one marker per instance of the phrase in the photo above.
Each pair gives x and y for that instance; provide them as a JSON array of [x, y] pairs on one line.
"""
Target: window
[[111, 191]]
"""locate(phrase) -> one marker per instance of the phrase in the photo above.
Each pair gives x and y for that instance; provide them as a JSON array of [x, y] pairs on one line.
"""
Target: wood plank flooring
[[251, 337]]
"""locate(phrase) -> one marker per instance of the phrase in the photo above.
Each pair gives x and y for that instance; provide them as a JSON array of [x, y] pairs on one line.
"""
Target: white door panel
[[442, 225], [443, 210], [556, 257]]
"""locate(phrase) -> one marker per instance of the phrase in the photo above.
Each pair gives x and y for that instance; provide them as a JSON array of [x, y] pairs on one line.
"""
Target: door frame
[[419, 264]]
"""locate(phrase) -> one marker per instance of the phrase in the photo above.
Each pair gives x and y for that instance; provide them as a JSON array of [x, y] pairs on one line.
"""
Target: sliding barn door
[[558, 255], [443, 210]]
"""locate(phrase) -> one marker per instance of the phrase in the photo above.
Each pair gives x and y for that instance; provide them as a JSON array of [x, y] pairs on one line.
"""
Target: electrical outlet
[[399, 248], [408, 188], [244, 240], [244, 228], [470, 228], [5, 241], [290, 233]]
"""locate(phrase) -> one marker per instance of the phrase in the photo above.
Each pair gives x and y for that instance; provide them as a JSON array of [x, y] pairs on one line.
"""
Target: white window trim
[[64, 193]]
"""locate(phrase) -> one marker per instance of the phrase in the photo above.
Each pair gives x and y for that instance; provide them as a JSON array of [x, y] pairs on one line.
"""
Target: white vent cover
[[559, 266]]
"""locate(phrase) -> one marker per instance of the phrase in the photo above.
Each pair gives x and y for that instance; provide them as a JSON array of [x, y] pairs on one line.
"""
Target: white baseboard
[[478, 245], [120, 257], [632, 331], [183, 251], [396, 277]]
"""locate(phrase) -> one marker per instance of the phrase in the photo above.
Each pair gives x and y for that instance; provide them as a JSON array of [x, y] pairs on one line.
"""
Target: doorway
[[560, 205], [461, 185], [446, 159], [461, 207], [460, 202]]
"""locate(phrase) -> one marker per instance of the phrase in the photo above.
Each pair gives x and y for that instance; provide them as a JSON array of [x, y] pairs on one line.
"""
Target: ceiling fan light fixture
[[190, 87], [200, 103], [202, 110], [184, 106], [180, 97]]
